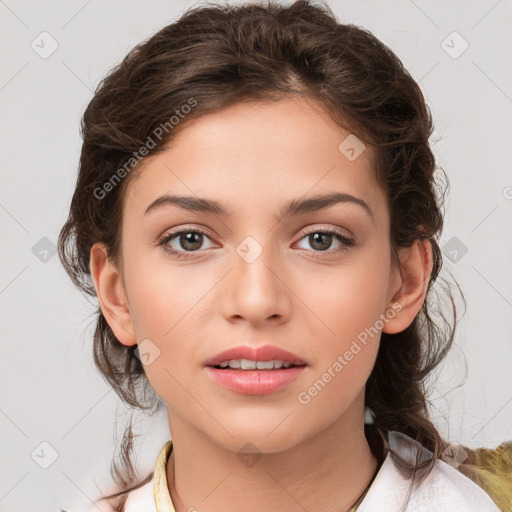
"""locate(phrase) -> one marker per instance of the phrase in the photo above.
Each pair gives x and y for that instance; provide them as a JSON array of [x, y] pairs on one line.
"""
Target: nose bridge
[[255, 289]]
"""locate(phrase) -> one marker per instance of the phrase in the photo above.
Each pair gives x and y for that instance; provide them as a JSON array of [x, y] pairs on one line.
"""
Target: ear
[[416, 268], [111, 294]]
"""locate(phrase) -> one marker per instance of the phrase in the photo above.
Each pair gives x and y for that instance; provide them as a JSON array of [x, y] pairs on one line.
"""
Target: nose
[[256, 289]]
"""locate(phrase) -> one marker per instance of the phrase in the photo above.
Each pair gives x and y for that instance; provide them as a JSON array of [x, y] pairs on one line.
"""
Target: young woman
[[256, 211]]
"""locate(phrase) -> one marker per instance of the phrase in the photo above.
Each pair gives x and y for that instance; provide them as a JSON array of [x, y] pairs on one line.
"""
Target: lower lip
[[255, 382]]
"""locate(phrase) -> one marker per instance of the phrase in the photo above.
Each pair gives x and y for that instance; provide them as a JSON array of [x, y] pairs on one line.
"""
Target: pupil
[[315, 237], [187, 241]]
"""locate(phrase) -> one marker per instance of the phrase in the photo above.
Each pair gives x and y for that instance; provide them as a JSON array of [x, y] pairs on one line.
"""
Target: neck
[[327, 472]]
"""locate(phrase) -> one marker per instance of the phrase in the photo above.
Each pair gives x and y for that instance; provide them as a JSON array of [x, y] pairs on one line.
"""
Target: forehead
[[256, 156]]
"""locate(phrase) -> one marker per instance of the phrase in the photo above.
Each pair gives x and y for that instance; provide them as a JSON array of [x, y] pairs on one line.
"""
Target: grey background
[[49, 389]]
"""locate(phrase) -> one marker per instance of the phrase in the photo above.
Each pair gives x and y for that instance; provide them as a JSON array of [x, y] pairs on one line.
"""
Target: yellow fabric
[[491, 470], [160, 488]]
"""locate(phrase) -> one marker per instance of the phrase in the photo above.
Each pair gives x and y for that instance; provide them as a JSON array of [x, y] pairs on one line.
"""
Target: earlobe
[[416, 268], [111, 294]]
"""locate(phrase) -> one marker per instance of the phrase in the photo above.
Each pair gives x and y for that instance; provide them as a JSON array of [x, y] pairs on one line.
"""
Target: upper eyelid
[[314, 229], [308, 230]]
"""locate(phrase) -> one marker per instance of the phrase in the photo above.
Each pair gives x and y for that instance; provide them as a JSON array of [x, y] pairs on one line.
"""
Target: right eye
[[190, 240]]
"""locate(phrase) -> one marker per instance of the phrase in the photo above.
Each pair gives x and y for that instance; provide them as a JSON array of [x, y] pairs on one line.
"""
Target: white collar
[[445, 489]]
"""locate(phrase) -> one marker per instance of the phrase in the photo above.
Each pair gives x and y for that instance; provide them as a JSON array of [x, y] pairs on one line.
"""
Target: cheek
[[342, 369], [349, 299], [161, 294], [333, 387], [346, 324], [169, 306]]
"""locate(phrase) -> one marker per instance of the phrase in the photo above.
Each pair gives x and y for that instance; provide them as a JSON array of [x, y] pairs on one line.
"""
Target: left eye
[[322, 240]]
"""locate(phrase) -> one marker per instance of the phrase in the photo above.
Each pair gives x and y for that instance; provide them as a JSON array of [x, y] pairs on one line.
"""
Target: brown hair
[[217, 56]]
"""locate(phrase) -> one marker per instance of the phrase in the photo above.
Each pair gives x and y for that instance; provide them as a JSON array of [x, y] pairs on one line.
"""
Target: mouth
[[248, 377], [253, 370], [247, 357], [244, 365]]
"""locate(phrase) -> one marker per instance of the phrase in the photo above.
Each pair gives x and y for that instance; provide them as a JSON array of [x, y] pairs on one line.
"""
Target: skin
[[255, 157]]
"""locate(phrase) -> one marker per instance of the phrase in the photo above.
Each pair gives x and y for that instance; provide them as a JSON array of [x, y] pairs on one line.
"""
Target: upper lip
[[261, 353]]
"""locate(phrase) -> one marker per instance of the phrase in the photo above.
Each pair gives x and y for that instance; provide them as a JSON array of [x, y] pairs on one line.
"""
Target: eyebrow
[[294, 207]]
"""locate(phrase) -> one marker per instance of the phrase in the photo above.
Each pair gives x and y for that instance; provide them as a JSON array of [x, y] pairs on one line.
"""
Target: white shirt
[[445, 489]]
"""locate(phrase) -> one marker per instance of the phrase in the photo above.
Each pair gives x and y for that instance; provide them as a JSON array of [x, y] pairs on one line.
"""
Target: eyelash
[[339, 235]]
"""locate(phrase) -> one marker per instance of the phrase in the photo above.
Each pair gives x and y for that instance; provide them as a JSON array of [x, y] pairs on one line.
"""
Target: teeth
[[264, 365], [247, 364]]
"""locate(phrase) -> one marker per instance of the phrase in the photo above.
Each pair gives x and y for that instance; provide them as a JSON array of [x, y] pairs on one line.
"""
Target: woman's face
[[256, 277]]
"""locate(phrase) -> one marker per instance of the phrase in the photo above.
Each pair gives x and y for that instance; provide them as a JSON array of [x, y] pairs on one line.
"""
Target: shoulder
[[491, 469], [445, 489], [142, 499]]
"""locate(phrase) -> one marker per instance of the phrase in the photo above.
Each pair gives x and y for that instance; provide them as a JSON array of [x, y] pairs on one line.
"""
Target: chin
[[256, 439]]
